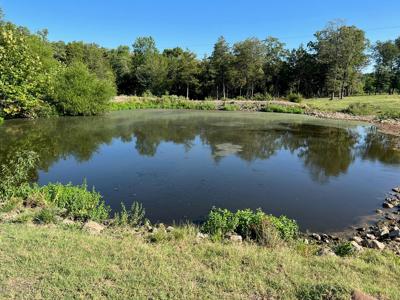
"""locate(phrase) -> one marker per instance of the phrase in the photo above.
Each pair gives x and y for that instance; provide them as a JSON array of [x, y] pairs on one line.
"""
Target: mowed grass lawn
[[39, 262], [376, 104]]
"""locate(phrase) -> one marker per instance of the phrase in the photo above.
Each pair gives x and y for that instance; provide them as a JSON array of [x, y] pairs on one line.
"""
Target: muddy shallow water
[[325, 174]]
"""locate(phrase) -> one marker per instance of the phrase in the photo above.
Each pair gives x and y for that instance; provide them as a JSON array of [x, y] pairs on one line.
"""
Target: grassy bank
[[55, 262], [378, 105], [174, 102]]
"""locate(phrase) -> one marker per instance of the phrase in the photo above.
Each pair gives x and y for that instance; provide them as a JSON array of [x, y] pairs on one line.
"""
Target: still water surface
[[325, 174]]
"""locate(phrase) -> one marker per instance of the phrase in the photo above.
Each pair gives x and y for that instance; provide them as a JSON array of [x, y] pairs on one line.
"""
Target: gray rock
[[358, 295], [384, 231], [170, 228], [315, 236], [68, 222], [357, 239], [325, 252], [396, 189], [93, 227], [356, 246], [387, 205], [201, 236], [379, 211], [394, 234], [376, 245], [235, 238], [370, 236]]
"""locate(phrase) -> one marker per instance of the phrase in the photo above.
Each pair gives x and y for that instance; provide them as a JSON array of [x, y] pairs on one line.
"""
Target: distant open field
[[360, 105]]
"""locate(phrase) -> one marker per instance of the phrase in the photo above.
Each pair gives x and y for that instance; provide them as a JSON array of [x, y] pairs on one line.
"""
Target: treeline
[[39, 77]]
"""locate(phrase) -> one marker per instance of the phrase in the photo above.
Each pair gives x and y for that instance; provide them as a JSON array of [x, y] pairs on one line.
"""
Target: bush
[[46, 216], [344, 249], [359, 109], [78, 92], [134, 217], [295, 97], [76, 200], [250, 225], [15, 174], [1, 120], [283, 109], [262, 97]]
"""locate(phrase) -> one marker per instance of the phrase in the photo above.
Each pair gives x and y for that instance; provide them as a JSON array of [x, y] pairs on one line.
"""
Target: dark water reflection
[[180, 163]]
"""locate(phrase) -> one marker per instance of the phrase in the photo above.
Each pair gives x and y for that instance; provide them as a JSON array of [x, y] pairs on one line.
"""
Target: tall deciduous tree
[[221, 60], [342, 49]]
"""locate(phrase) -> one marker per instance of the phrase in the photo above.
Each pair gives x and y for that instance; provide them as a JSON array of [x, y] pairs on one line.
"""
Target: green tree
[[77, 91], [387, 65], [221, 61], [249, 61], [342, 49], [25, 71]]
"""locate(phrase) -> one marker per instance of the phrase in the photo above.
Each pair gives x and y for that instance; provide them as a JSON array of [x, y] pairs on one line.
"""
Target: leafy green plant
[[287, 228], [14, 175], [78, 201], [262, 97], [79, 92], [283, 109], [344, 249], [46, 216], [230, 107], [249, 224], [219, 222], [134, 217], [1, 120], [295, 97], [359, 109]]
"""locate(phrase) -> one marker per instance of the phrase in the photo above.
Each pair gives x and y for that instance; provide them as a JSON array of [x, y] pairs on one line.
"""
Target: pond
[[325, 174]]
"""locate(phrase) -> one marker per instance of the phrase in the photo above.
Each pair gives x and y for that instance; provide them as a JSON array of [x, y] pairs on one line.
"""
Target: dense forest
[[39, 77]]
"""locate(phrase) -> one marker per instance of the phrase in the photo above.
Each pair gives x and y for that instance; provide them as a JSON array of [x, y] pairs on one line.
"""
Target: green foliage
[[295, 97], [344, 249], [26, 66], [359, 109], [134, 217], [252, 225], [165, 102], [46, 216], [78, 92], [287, 228], [1, 120], [77, 200], [230, 107], [15, 174], [283, 109], [262, 97], [322, 292]]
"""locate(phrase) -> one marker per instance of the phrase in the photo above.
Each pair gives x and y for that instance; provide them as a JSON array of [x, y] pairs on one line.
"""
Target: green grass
[[52, 262], [165, 102], [378, 105]]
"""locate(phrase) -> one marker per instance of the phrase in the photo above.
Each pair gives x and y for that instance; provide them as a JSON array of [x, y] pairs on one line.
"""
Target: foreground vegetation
[[126, 265], [126, 257]]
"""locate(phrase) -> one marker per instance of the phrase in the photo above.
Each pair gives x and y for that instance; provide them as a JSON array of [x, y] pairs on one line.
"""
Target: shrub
[[15, 174], [134, 217], [46, 216], [295, 97], [230, 107], [79, 92], [287, 228], [344, 249], [283, 109], [359, 109], [76, 200], [262, 97], [250, 225], [1, 120]]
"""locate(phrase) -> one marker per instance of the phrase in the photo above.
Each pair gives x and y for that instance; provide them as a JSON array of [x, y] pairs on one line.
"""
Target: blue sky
[[197, 24]]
